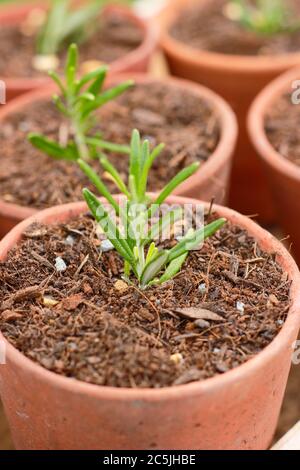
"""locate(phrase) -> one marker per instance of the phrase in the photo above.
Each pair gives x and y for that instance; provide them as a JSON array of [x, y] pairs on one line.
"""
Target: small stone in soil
[[202, 288], [176, 358], [203, 324], [70, 240], [49, 301], [240, 306], [121, 286], [60, 265], [106, 246]]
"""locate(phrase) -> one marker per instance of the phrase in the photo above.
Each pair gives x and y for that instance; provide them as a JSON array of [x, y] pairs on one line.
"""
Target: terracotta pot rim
[[223, 151], [168, 393], [256, 124], [150, 31], [214, 60]]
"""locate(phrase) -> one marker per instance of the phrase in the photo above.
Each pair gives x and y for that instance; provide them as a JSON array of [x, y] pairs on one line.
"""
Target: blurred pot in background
[[274, 129], [125, 41], [202, 44]]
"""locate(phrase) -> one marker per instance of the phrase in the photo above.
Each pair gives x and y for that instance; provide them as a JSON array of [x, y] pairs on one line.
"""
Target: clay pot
[[236, 410], [136, 61], [212, 179], [238, 79], [283, 175]]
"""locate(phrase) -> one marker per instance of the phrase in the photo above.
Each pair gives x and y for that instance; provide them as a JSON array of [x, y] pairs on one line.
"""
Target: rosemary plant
[[267, 17], [78, 100], [136, 245], [65, 24]]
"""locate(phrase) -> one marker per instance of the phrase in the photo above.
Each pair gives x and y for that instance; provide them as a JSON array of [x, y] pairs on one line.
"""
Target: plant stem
[[81, 142], [127, 269], [79, 135], [141, 258]]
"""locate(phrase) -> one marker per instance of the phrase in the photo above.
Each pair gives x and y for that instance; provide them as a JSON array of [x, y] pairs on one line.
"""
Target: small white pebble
[[240, 306], [49, 301], [106, 245], [202, 288], [121, 286], [177, 358], [43, 63], [280, 322], [70, 240], [60, 265], [216, 351], [203, 324]]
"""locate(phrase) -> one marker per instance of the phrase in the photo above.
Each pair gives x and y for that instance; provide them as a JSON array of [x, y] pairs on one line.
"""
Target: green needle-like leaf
[[107, 96], [53, 149], [97, 75], [55, 77], [60, 105], [135, 156], [148, 164], [175, 182], [108, 226], [77, 19], [190, 243], [102, 144], [115, 175], [173, 268], [96, 87], [98, 183], [50, 37], [153, 268], [152, 252], [71, 65]]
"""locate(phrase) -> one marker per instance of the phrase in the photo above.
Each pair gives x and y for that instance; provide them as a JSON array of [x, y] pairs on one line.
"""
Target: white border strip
[[291, 441]]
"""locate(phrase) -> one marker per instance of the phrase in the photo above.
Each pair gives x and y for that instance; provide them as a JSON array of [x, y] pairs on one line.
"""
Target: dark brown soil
[[116, 37], [29, 178], [208, 28], [98, 334], [282, 128]]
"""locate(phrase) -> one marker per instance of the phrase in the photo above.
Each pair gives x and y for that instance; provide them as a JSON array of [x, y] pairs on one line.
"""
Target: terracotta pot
[[283, 175], [238, 79], [212, 179], [136, 61], [236, 410]]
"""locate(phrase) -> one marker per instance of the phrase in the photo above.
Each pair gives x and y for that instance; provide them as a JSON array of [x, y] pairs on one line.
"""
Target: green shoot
[[78, 100], [65, 24], [136, 242], [267, 17]]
